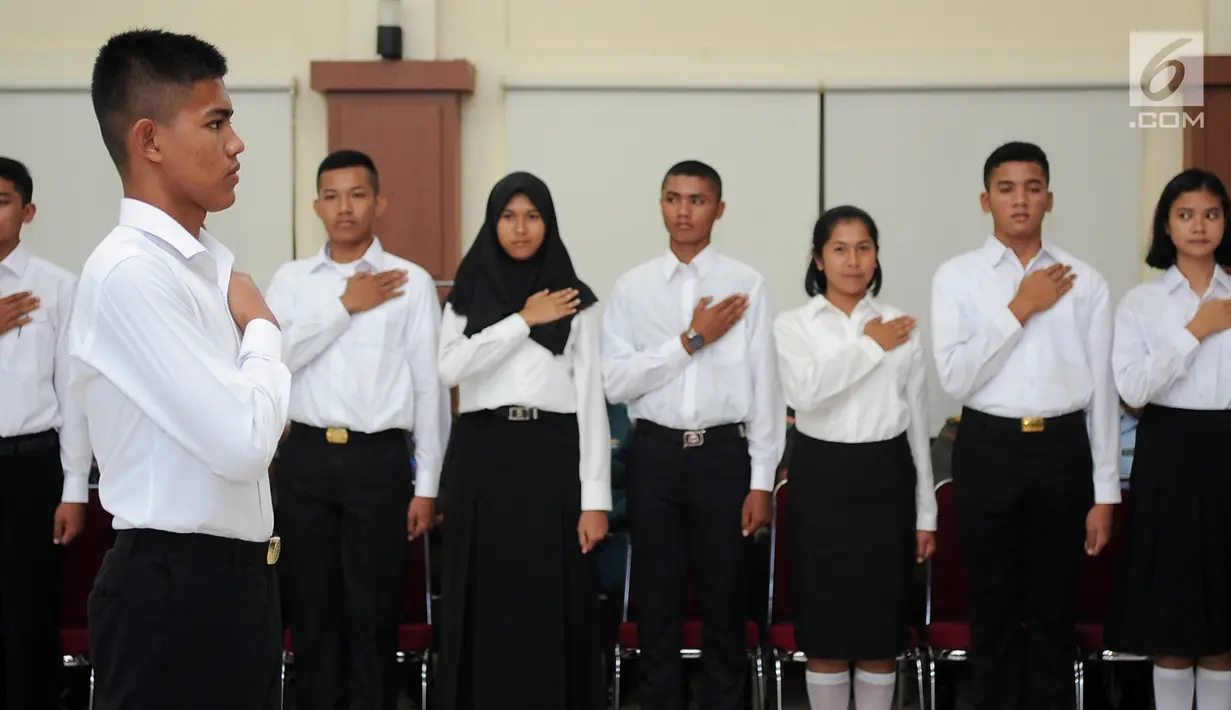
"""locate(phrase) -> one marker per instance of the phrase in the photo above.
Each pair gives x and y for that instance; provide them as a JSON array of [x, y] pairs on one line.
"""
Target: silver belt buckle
[[522, 414], [693, 439]]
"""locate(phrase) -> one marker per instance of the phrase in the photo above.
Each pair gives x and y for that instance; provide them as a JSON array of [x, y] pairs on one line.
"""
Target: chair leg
[[778, 680], [282, 684], [899, 688], [931, 683], [423, 681], [90, 702], [615, 679], [758, 690], [919, 679], [1079, 683]]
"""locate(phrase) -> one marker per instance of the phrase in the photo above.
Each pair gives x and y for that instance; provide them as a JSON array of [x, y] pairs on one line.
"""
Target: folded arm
[[965, 360], [812, 377], [630, 372], [462, 356], [146, 340], [1140, 373], [310, 323]]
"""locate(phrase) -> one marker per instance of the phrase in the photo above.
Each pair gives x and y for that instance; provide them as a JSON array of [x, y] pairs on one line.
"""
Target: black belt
[[522, 414], [25, 443], [339, 435], [1023, 425], [198, 546], [694, 438]]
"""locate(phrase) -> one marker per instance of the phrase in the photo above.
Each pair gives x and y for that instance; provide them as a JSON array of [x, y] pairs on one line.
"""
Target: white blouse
[[1156, 359], [845, 388], [501, 366]]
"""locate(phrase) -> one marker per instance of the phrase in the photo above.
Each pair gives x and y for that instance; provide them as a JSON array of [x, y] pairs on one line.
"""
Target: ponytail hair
[[815, 283]]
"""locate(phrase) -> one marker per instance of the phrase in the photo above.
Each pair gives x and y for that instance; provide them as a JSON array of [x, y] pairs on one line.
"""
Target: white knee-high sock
[[873, 691], [1173, 688], [1213, 689], [829, 691]]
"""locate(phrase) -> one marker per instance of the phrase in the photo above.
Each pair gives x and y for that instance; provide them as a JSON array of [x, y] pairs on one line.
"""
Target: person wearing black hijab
[[529, 470]]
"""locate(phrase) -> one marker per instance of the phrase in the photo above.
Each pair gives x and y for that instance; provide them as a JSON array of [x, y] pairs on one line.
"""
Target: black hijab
[[490, 285]]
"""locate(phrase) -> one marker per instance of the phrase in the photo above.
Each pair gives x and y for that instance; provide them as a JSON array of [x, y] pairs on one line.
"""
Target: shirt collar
[[820, 304], [995, 250], [702, 262], [1173, 280], [150, 220], [17, 261], [373, 258]]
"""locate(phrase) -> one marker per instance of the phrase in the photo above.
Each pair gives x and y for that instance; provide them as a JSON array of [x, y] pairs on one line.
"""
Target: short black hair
[[17, 173], [697, 169], [1162, 254], [348, 159], [1015, 152], [815, 282], [141, 74]]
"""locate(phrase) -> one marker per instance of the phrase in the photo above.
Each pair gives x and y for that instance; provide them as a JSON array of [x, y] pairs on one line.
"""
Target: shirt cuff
[[595, 495], [673, 351], [262, 339], [427, 483], [511, 327], [1006, 322], [925, 520], [762, 478], [76, 489], [871, 347], [1184, 342], [1107, 491]]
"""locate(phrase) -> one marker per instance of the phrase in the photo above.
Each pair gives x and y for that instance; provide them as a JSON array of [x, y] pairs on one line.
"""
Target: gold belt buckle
[[693, 439], [1032, 425], [337, 435], [274, 551]]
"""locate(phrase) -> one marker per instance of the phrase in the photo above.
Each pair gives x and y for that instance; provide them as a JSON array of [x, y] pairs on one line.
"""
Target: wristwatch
[[696, 341]]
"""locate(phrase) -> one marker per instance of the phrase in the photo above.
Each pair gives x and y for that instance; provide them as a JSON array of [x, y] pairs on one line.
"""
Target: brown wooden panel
[[448, 76], [406, 136], [1209, 145]]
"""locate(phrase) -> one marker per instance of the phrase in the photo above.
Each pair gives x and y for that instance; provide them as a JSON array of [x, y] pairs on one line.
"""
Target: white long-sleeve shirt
[[500, 366], [371, 371], [1058, 363], [1157, 360], [34, 368], [846, 388], [185, 414], [733, 380]]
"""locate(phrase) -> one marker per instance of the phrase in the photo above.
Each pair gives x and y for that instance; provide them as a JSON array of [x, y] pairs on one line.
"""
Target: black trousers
[[342, 518], [190, 622], [686, 502], [31, 481], [1021, 501]]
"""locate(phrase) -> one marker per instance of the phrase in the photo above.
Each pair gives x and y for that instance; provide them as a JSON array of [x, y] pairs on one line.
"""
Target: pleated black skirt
[[852, 547], [518, 624], [1173, 591]]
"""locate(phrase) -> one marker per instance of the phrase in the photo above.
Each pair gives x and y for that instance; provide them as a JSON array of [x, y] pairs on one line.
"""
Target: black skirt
[[852, 547], [518, 622], [1173, 592]]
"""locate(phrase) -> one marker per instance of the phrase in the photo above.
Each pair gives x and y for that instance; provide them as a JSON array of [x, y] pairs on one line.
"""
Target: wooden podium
[[1209, 145], [406, 115]]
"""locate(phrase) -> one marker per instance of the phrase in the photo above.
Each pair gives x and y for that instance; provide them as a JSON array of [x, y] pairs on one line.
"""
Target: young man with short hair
[[44, 453], [179, 365], [688, 345], [1021, 334], [362, 332]]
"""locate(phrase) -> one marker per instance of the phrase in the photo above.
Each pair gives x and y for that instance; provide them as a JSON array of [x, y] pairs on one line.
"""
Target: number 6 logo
[[1157, 65]]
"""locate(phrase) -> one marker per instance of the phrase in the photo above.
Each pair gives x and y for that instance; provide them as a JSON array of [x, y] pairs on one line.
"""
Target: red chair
[[416, 637], [781, 625], [79, 566], [948, 605], [628, 645], [1094, 588]]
